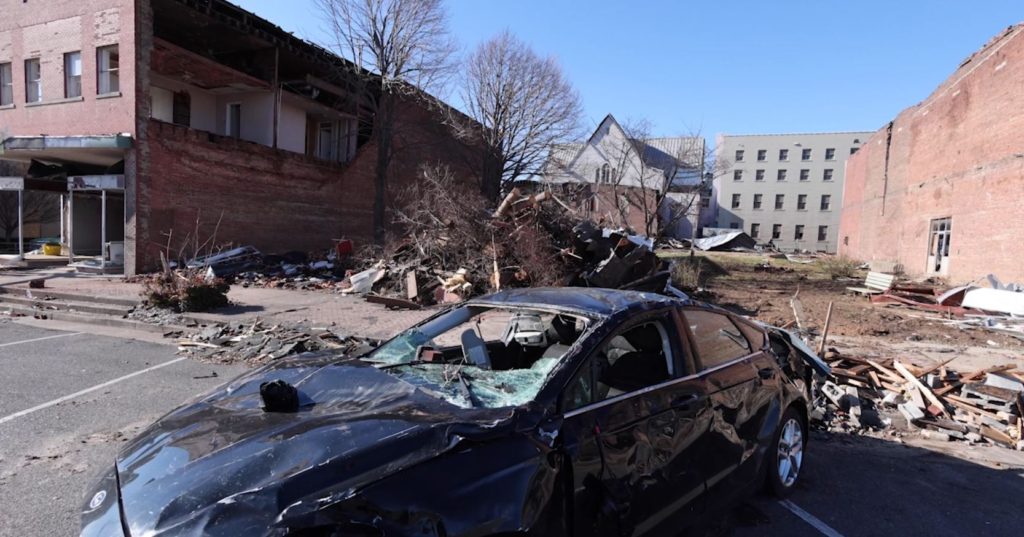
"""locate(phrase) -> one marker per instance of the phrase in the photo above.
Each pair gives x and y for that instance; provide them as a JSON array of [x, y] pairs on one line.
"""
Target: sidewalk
[[319, 309]]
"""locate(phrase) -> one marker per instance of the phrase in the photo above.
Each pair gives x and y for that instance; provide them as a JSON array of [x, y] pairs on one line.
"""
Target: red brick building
[[160, 114], [939, 189]]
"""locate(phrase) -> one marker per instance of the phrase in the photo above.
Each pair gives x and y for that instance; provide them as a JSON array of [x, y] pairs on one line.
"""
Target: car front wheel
[[787, 457]]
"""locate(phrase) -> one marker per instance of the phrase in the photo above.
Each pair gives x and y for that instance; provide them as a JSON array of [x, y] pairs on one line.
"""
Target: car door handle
[[766, 373]]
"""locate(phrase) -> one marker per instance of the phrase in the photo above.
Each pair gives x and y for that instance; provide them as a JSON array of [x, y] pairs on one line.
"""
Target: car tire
[[784, 459]]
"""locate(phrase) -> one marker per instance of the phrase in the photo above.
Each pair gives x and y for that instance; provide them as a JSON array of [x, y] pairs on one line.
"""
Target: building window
[[781, 175], [783, 154], [759, 175], [853, 150], [779, 201], [181, 113], [826, 202], [805, 154], [615, 174], [805, 175], [739, 155], [762, 154], [798, 232], [827, 175], [6, 85], [705, 202], [757, 201], [107, 69], [33, 82], [801, 202], [735, 201], [326, 142], [734, 225], [776, 231], [233, 128], [755, 230], [822, 233], [830, 153], [605, 170], [737, 175], [597, 175], [72, 75]]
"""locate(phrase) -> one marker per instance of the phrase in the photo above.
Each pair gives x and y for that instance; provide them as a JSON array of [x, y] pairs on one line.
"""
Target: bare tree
[[525, 104], [396, 47]]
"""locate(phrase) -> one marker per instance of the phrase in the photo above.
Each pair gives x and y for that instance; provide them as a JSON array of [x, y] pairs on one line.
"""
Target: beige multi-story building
[[785, 189]]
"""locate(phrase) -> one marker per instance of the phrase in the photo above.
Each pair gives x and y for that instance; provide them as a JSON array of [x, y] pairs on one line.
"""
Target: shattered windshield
[[481, 357]]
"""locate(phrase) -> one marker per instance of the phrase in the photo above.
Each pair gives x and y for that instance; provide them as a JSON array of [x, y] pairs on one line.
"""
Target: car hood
[[223, 466]]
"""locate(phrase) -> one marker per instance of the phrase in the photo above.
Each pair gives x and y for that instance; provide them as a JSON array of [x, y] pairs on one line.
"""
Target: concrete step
[[127, 301], [90, 318], [65, 305]]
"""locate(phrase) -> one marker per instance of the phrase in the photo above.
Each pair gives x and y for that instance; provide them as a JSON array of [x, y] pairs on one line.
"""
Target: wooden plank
[[920, 385], [934, 367], [392, 302], [995, 435], [824, 332], [966, 405], [874, 379], [883, 370]]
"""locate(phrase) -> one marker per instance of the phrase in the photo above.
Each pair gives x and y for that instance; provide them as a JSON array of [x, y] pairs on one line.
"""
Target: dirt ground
[[761, 286]]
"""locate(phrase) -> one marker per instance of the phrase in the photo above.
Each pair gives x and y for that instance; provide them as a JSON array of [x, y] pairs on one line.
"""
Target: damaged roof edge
[[43, 142]]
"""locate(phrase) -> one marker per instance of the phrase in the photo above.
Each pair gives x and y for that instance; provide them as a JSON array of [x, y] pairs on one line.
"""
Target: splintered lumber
[[798, 310], [995, 435], [824, 331], [968, 406], [935, 367], [927, 392], [874, 379], [883, 370], [974, 376]]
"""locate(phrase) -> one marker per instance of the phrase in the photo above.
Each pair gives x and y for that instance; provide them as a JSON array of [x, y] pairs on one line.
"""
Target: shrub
[[838, 266], [693, 272], [185, 290]]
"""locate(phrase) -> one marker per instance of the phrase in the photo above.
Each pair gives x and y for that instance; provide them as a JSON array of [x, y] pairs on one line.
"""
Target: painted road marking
[[810, 519], [87, 390], [39, 339]]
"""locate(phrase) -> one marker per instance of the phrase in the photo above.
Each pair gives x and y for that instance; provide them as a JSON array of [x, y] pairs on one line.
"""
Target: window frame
[[828, 175], [820, 237], [737, 175], [776, 231], [228, 123], [805, 155], [72, 83], [801, 202], [680, 360], [780, 202], [736, 201], [756, 203], [798, 232], [762, 155], [783, 155], [739, 155], [755, 229], [830, 153], [105, 74], [781, 174], [692, 341], [37, 82], [826, 202], [758, 175], [7, 83]]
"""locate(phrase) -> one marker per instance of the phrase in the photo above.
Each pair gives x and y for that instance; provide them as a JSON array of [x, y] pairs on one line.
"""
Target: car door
[[732, 369], [629, 429]]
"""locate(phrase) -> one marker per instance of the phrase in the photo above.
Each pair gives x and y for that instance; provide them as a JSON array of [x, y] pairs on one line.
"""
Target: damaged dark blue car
[[564, 411]]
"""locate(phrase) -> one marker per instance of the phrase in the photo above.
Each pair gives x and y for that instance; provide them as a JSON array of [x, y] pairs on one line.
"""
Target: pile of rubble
[[997, 308], [254, 343], [980, 406]]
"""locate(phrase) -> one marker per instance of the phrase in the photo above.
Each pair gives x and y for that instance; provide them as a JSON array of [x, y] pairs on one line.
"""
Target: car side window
[[633, 359], [716, 337]]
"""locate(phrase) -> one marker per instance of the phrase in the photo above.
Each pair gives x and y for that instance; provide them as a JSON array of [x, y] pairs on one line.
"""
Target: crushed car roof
[[589, 299]]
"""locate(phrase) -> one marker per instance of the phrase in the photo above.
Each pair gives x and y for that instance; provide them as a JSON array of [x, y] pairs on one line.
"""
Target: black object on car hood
[[224, 466]]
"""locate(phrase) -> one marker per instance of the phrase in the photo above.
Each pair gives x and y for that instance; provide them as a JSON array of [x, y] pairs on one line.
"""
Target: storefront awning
[[105, 150]]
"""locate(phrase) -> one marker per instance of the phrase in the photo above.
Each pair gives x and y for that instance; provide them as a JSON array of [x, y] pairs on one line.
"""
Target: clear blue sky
[[740, 67]]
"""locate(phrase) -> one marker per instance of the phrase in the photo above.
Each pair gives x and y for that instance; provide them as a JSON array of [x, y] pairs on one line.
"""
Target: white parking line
[[39, 339], [810, 519], [48, 404]]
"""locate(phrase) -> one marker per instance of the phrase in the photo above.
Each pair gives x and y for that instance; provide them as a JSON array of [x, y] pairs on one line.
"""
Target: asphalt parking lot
[[69, 400]]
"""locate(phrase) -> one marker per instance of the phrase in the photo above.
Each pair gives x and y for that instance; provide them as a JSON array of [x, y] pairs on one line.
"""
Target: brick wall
[[957, 154], [49, 29], [275, 200]]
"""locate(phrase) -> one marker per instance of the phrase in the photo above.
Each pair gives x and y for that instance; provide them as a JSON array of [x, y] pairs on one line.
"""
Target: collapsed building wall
[[276, 200], [946, 176]]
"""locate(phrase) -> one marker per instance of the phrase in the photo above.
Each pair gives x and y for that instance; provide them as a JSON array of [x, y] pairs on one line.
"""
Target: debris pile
[[453, 248], [981, 406], [999, 308], [254, 343]]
